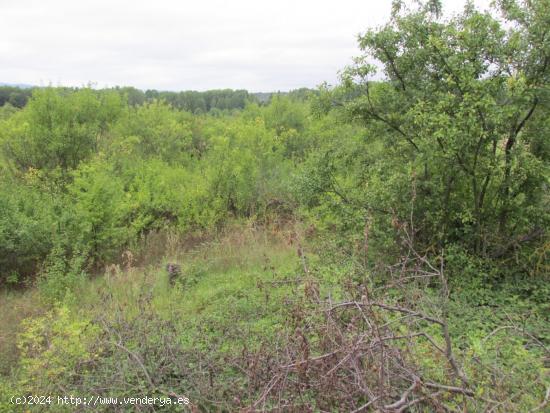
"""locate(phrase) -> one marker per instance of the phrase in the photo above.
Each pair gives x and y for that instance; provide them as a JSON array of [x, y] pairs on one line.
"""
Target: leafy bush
[[156, 130], [99, 219], [57, 128], [54, 350], [27, 222], [63, 270]]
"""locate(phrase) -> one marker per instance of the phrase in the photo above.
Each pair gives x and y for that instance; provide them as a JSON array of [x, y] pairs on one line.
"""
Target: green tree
[[98, 221], [58, 128], [6, 111], [458, 113], [27, 223], [156, 130]]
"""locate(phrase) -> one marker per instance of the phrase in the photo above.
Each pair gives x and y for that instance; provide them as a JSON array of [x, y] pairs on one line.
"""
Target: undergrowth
[[262, 319]]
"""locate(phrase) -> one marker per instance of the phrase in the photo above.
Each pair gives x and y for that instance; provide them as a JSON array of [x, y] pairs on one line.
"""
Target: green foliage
[[14, 96], [6, 111], [245, 169], [153, 130], [100, 211], [7, 390], [284, 114], [115, 172], [52, 349], [507, 351], [161, 195], [445, 156], [289, 119], [62, 273], [57, 128], [202, 102], [456, 118], [27, 222]]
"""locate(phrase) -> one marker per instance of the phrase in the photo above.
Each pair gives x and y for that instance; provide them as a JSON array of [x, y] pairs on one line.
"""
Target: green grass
[[232, 289], [15, 306], [230, 296], [234, 300]]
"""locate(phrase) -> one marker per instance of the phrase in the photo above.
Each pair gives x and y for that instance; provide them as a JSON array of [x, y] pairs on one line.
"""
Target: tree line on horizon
[[190, 100]]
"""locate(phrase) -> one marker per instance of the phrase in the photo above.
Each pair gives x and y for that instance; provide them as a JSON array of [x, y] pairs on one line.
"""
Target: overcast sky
[[261, 45]]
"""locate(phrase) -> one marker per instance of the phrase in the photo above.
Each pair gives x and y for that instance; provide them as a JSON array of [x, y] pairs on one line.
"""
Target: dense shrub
[[27, 223]]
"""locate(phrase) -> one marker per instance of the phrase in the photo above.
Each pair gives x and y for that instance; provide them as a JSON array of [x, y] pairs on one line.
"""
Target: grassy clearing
[[230, 296], [235, 281]]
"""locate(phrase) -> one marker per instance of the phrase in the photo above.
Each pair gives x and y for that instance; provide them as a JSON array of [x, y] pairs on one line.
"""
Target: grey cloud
[[177, 45]]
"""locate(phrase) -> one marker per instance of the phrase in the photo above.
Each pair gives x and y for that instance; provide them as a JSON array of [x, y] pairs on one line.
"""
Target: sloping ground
[[229, 297], [257, 322]]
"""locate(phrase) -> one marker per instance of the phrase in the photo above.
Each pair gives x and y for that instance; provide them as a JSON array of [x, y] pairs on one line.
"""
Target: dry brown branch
[[396, 406], [407, 311], [363, 407], [138, 361], [520, 330], [367, 347], [451, 389]]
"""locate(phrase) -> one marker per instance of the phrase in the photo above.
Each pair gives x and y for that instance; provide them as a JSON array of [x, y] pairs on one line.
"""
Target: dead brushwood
[[360, 354]]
